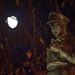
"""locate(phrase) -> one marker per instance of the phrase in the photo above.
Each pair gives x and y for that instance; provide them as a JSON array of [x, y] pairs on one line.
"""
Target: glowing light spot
[[12, 22]]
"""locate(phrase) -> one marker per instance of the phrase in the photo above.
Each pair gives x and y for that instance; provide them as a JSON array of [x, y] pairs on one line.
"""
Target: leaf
[[30, 70], [23, 70], [44, 53], [1, 45], [34, 9], [29, 54], [42, 72], [26, 63], [41, 40], [63, 4], [17, 2], [17, 70], [6, 39]]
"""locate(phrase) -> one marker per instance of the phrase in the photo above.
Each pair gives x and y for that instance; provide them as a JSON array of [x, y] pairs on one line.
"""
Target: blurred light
[[12, 22]]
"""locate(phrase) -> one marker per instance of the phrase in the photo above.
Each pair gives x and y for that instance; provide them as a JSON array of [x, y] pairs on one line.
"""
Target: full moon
[[12, 22]]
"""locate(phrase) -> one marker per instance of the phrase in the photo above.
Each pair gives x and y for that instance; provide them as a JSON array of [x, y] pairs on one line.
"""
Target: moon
[[12, 22]]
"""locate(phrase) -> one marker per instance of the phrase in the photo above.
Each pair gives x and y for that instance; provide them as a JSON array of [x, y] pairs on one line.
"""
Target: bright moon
[[12, 22]]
